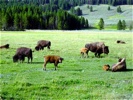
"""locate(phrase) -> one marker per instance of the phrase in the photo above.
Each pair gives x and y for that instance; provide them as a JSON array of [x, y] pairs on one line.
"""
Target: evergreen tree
[[119, 9], [108, 8], [119, 25], [91, 9], [101, 24], [123, 25], [130, 27]]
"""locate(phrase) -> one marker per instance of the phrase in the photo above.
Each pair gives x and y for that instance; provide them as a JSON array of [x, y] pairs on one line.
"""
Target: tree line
[[30, 16], [67, 4]]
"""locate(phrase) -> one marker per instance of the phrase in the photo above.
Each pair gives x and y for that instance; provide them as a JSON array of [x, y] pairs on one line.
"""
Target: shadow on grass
[[129, 70], [37, 63]]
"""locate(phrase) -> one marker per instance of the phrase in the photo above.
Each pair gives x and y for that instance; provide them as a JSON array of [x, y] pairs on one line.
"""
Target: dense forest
[[47, 14], [22, 16]]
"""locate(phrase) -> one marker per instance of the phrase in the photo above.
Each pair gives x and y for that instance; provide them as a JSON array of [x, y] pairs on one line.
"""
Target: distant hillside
[[110, 17]]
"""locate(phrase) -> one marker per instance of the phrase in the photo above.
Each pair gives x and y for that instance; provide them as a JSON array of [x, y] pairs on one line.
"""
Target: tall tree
[[101, 24], [119, 25], [123, 25]]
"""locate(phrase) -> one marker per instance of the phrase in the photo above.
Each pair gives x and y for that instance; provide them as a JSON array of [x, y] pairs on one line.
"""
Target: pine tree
[[119, 25], [91, 9], [119, 9], [108, 8], [123, 25], [101, 24], [130, 27]]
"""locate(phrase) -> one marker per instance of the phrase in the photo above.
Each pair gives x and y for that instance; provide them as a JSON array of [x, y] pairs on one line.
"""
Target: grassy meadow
[[110, 18], [76, 78]]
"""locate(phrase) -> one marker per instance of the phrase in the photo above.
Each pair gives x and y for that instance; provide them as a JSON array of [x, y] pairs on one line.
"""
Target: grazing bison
[[21, 53], [43, 43], [6, 46], [52, 59], [120, 66], [120, 42], [84, 52], [106, 67], [98, 48]]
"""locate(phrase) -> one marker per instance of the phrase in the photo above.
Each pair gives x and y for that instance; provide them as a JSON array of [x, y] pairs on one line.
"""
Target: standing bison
[[98, 48], [52, 59], [84, 52], [42, 43], [21, 53]]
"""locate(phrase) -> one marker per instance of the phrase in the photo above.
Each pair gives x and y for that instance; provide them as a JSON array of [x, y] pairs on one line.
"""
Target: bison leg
[[55, 64], [82, 54], [45, 66], [48, 47]]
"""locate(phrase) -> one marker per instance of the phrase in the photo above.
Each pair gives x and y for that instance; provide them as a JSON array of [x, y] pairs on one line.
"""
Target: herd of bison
[[96, 47]]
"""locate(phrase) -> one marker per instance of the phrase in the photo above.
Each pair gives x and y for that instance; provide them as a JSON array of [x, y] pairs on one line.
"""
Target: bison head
[[15, 58], [60, 60], [37, 48], [106, 49]]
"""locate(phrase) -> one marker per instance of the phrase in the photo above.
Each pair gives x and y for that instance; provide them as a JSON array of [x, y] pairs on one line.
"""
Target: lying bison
[[120, 66], [21, 53], [52, 59], [84, 52], [98, 48], [43, 43], [6, 46], [120, 42]]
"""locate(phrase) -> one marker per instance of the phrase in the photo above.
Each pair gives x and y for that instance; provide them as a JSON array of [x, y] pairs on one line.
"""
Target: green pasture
[[76, 78]]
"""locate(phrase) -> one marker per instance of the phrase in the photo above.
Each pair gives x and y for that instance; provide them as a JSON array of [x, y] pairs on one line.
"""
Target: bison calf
[[120, 66], [43, 43], [52, 59], [6, 46], [106, 67], [21, 53], [84, 52]]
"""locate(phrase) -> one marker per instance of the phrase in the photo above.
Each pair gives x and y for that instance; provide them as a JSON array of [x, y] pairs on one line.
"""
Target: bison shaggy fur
[[52, 59], [21, 53], [42, 43], [120, 65], [98, 48]]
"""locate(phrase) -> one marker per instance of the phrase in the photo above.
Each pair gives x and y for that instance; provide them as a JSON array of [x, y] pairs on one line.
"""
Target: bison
[[21, 53], [84, 52], [6, 46], [120, 66], [120, 42], [52, 59], [42, 43], [98, 48], [106, 67]]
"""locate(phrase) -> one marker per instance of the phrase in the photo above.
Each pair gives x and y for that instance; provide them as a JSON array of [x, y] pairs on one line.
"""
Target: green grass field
[[76, 78]]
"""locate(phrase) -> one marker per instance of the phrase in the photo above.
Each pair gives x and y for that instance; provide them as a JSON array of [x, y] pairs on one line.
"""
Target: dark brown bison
[[21, 53], [120, 66], [6, 46], [84, 52], [52, 59], [43, 43], [120, 42], [98, 48], [106, 67]]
